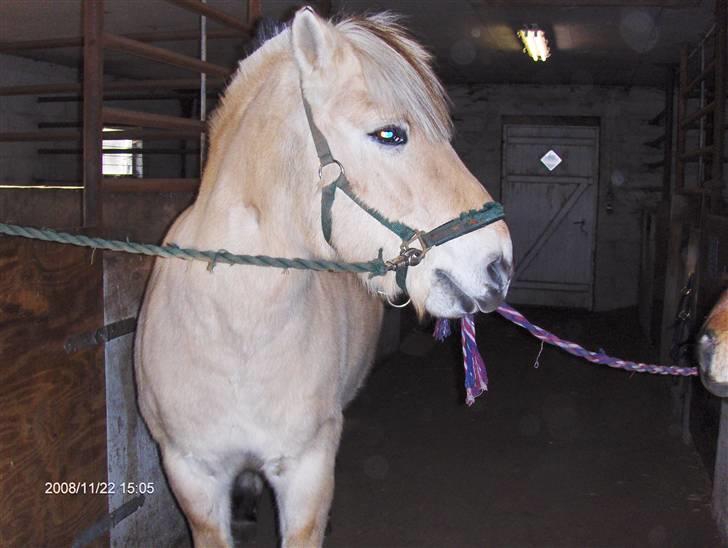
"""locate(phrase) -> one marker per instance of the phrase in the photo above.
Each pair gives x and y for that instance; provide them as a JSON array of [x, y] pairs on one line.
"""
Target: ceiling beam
[[590, 3]]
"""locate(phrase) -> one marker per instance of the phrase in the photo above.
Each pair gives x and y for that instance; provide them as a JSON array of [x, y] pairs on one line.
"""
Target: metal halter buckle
[[409, 256], [334, 162]]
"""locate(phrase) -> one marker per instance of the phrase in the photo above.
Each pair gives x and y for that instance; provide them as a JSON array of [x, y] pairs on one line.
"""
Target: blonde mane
[[396, 69], [398, 73]]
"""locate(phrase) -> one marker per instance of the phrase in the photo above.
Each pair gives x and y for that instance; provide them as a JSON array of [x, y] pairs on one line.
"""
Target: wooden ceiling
[[594, 42]]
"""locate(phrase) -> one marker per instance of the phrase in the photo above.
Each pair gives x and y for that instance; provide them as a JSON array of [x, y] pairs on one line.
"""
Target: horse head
[[377, 103], [713, 349]]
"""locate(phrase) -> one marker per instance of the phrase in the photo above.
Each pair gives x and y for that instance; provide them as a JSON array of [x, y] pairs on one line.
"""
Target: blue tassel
[[476, 377], [442, 329]]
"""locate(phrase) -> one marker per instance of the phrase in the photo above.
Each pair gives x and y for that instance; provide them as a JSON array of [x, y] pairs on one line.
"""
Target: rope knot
[[212, 263]]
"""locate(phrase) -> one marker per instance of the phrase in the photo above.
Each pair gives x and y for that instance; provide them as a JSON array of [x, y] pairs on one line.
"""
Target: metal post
[[719, 128], [203, 88], [93, 93], [667, 143], [255, 12], [681, 112]]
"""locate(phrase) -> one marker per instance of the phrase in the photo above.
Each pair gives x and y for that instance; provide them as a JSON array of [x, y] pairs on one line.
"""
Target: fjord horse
[[246, 370]]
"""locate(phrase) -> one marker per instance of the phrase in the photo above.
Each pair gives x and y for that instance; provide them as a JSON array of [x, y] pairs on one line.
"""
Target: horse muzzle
[[450, 297], [709, 357]]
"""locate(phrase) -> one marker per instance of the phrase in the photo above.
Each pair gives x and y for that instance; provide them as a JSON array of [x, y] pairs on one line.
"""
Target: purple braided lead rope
[[595, 357], [476, 376]]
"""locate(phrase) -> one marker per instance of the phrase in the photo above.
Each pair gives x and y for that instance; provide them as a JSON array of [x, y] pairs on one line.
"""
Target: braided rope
[[476, 376], [595, 357], [376, 267]]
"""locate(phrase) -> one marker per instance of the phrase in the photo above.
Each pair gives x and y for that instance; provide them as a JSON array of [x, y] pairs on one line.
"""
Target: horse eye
[[390, 135]]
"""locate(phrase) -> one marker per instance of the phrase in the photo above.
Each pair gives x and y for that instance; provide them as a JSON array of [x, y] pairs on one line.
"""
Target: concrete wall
[[623, 174]]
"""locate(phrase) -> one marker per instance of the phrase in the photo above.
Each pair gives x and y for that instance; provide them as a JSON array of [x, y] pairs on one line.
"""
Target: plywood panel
[[52, 425], [133, 455]]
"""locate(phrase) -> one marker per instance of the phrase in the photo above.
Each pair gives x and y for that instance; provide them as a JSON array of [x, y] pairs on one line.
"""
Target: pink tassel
[[476, 376]]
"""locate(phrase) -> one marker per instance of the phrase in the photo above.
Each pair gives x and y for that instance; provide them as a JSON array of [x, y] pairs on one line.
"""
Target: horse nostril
[[500, 272], [706, 347]]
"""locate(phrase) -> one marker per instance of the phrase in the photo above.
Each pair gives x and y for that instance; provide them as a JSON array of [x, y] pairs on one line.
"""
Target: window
[[122, 164]]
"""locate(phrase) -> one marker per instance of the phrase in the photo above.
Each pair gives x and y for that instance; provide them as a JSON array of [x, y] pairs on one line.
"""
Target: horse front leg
[[204, 498], [304, 487]]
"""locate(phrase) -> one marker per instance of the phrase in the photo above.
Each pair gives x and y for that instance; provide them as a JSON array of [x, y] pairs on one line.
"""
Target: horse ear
[[313, 41]]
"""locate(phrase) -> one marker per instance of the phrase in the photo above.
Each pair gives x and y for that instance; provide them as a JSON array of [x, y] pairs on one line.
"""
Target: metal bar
[[147, 119], [153, 134], [681, 109], [121, 97], [698, 114], [93, 92], [255, 12], [39, 136], [119, 43], [697, 153], [99, 336], [35, 185], [175, 83], [140, 85], [721, 63], [702, 41], [56, 125], [216, 15], [142, 151], [129, 184], [40, 89], [203, 88], [667, 136], [71, 135], [698, 79], [77, 41], [108, 522]]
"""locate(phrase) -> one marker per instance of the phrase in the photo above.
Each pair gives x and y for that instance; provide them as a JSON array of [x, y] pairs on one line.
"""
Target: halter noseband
[[466, 222]]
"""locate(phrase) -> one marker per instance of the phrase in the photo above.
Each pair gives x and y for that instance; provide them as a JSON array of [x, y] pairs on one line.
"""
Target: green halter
[[465, 223]]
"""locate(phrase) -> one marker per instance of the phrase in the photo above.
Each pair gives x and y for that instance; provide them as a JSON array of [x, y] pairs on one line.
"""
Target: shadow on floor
[[568, 454]]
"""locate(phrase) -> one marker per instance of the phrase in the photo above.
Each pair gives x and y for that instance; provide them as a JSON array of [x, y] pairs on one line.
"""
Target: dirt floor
[[566, 454]]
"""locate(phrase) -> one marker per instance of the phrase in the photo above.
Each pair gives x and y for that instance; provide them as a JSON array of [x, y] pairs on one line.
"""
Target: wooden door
[[549, 194]]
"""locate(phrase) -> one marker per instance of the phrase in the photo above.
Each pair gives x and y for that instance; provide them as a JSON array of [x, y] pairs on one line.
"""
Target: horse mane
[[404, 83], [396, 69]]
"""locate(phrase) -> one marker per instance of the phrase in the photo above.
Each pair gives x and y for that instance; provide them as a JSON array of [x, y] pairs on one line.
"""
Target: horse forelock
[[398, 72]]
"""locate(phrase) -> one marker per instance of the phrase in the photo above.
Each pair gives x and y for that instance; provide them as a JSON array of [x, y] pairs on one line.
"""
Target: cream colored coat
[[250, 367]]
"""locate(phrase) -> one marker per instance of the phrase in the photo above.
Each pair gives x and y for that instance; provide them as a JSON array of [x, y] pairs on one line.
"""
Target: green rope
[[376, 267]]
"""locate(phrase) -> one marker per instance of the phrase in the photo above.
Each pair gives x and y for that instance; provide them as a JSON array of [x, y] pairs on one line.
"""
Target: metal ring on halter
[[322, 166], [395, 305]]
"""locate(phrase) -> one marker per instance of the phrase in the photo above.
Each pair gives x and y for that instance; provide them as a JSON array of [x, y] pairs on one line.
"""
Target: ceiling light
[[535, 43]]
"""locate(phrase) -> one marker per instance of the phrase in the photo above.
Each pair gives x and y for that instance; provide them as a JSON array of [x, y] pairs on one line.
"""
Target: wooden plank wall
[[53, 420]]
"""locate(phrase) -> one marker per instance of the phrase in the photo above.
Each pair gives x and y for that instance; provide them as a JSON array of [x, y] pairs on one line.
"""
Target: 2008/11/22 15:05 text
[[98, 488]]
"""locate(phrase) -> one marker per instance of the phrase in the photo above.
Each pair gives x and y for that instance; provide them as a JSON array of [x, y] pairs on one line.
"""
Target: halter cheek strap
[[465, 223]]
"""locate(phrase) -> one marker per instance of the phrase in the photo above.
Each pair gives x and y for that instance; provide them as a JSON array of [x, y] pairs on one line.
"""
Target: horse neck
[[258, 191]]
